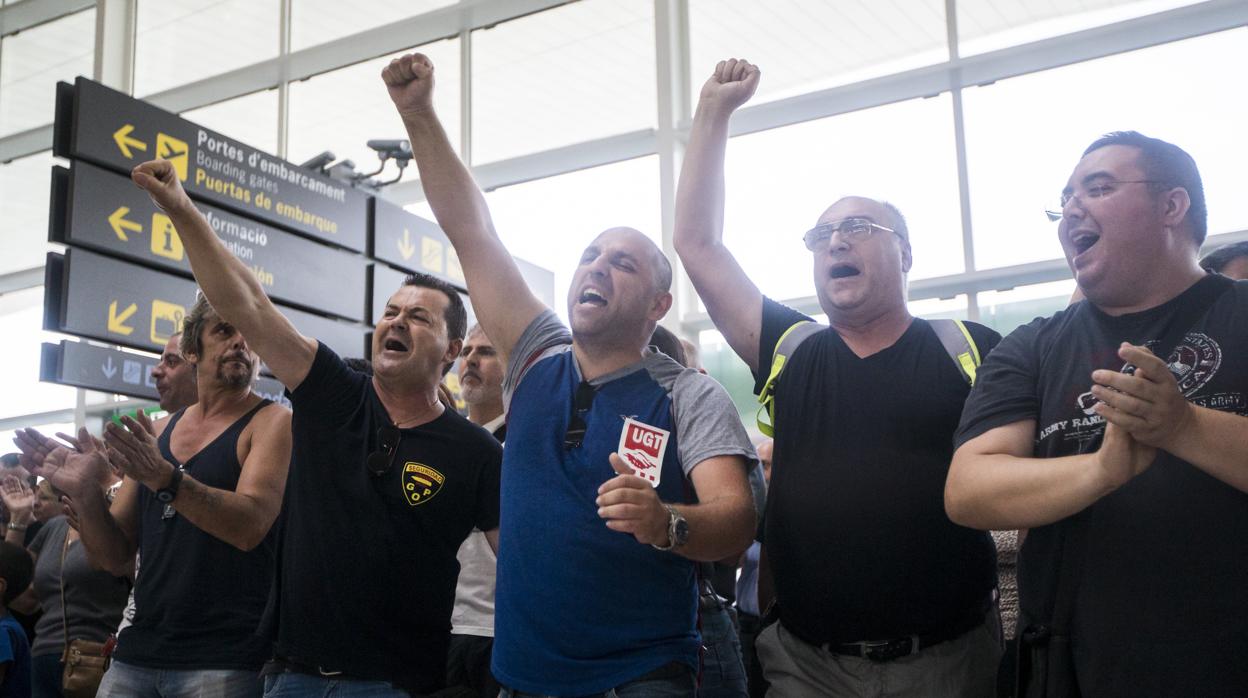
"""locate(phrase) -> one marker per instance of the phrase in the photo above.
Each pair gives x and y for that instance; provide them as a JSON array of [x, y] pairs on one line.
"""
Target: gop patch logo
[[642, 447], [420, 483]]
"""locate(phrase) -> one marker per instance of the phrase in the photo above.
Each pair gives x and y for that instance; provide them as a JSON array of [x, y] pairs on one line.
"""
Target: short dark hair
[[456, 315], [16, 568], [665, 341], [1170, 166], [10, 460], [1224, 255]]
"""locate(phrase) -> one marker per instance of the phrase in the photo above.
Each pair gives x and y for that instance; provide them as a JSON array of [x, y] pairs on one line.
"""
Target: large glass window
[[549, 222], [572, 74], [251, 119], [1004, 311], [32, 62], [343, 109], [25, 185], [780, 181], [21, 392], [987, 25], [804, 46], [318, 21], [1025, 135], [181, 41]]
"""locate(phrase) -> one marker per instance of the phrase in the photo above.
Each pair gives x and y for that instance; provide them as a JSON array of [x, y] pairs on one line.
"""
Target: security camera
[[386, 149]]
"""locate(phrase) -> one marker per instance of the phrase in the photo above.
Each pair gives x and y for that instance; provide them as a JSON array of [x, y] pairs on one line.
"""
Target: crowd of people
[[600, 523]]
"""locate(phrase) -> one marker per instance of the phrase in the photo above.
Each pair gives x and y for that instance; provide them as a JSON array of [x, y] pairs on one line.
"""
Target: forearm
[[106, 544], [229, 285], [242, 520], [700, 192], [1000, 491], [1217, 443], [15, 532], [451, 191], [719, 528]]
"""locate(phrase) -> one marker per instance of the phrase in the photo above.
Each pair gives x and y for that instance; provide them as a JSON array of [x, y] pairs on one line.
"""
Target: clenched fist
[[731, 84], [160, 181], [409, 80]]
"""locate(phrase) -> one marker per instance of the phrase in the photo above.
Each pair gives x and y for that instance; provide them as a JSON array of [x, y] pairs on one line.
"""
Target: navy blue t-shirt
[[367, 566], [15, 656]]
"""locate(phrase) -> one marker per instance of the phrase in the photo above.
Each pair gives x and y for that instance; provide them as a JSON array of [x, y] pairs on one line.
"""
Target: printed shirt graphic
[[1165, 570], [580, 608]]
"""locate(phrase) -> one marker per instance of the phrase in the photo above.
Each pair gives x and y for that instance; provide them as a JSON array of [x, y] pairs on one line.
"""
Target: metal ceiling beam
[[19, 16]]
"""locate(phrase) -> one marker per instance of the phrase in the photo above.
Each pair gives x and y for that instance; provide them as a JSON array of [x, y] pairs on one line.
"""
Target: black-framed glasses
[[581, 402], [852, 229], [1100, 189], [379, 461]]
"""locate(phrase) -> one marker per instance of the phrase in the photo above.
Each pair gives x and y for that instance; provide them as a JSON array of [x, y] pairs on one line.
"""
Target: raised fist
[[731, 84], [409, 80], [160, 181]]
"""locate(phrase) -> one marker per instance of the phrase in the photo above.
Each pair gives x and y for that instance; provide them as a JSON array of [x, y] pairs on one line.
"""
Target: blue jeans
[[723, 672], [128, 681], [295, 685], [681, 684]]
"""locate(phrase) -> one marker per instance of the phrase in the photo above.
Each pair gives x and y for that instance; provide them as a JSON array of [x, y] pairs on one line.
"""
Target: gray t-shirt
[[95, 598]]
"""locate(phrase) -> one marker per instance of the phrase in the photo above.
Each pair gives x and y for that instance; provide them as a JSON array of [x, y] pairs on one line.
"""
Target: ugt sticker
[[642, 447], [420, 483]]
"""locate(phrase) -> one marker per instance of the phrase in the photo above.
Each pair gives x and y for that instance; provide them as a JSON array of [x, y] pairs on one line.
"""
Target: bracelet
[[16, 527]]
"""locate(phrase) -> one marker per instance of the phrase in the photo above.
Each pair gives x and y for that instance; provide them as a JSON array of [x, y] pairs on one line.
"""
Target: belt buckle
[[879, 651], [328, 674]]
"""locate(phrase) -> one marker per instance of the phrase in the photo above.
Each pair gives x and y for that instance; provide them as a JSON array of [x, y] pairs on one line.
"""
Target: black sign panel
[[121, 303], [106, 212], [107, 370], [119, 132], [410, 242]]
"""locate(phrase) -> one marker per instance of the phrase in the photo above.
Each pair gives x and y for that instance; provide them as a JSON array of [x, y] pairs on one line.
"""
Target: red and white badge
[[642, 447]]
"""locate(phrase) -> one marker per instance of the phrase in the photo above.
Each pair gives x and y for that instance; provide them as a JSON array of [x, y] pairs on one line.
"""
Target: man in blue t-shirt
[[621, 467], [16, 572]]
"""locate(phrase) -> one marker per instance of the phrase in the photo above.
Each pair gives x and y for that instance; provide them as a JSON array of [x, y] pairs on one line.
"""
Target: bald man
[[622, 467], [875, 586]]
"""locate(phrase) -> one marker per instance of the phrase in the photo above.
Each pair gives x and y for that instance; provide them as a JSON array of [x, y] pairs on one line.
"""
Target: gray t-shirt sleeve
[[544, 336], [707, 424]]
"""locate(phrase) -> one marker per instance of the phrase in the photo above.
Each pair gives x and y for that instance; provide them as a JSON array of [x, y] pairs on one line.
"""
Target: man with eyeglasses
[[385, 482], [622, 467], [876, 589], [1115, 431]]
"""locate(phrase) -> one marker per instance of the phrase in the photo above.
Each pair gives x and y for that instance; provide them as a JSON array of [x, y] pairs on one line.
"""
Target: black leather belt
[[896, 648]]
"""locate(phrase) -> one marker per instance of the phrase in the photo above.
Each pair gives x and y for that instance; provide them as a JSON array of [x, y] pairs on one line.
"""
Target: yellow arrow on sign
[[120, 225], [125, 142], [406, 248], [116, 322]]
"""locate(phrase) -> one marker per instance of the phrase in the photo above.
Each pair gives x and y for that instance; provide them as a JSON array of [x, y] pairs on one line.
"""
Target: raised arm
[[735, 304], [241, 517], [995, 484], [502, 301], [230, 287]]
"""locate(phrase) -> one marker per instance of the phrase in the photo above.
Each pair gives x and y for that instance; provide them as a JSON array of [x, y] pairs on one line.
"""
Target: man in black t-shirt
[[385, 482], [1078, 432], [875, 586]]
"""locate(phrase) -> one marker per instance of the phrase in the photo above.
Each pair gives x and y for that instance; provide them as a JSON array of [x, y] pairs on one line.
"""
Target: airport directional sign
[[407, 241], [117, 131], [105, 211], [106, 299], [109, 370]]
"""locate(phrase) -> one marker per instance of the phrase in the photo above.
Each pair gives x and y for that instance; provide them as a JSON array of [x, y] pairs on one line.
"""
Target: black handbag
[[1044, 660]]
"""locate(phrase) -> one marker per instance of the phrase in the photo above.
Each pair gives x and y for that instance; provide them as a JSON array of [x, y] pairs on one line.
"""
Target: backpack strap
[[959, 345], [788, 343]]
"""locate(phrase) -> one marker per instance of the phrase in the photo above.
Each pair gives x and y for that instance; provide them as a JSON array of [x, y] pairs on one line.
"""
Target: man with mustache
[[877, 591], [1115, 431], [621, 467], [198, 503]]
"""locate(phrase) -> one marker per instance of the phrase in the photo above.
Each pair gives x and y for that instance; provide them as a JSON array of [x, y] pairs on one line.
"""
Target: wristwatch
[[677, 529], [169, 492]]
